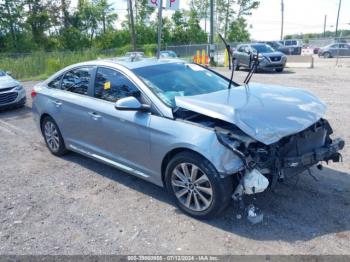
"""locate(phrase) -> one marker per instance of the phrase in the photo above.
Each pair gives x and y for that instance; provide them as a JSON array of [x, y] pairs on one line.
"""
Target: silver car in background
[[269, 59], [12, 93], [335, 50], [179, 126]]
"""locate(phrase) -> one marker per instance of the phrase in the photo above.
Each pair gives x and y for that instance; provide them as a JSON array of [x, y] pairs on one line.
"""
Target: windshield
[[180, 79], [2, 73], [263, 48], [168, 54]]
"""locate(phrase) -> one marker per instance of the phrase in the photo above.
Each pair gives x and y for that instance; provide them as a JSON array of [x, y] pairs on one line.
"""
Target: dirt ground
[[75, 205]]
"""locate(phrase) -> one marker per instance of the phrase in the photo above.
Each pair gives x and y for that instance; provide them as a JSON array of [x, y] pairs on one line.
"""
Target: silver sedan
[[179, 126]]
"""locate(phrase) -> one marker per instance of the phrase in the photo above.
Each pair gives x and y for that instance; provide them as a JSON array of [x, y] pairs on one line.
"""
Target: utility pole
[[211, 40], [336, 27], [282, 20], [133, 34], [325, 26], [160, 9]]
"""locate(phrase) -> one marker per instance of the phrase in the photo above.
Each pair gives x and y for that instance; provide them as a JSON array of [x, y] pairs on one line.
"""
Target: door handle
[[94, 115], [57, 103]]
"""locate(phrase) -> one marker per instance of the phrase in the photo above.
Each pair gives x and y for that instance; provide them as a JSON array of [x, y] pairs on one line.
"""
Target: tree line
[[31, 25]]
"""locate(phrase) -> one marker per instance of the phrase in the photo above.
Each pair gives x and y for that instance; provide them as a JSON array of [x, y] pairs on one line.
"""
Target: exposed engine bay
[[286, 158]]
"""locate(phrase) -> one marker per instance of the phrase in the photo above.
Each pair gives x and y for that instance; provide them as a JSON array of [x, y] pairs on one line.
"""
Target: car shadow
[[292, 212]]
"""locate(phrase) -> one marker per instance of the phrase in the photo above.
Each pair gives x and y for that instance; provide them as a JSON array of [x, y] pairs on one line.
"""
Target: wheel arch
[[42, 117], [171, 154]]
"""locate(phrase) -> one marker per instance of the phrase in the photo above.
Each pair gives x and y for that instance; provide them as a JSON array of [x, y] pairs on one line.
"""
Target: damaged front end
[[288, 157]]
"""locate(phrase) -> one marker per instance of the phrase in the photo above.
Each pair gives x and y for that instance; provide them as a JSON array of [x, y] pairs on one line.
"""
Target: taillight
[[33, 93]]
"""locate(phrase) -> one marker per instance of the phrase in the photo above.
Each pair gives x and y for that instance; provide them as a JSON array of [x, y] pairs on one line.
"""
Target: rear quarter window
[[56, 83]]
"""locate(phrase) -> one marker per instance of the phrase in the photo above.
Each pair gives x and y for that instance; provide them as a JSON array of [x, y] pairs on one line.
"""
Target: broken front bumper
[[326, 153]]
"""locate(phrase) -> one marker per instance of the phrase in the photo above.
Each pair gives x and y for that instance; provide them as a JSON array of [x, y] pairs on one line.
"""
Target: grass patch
[[40, 65]]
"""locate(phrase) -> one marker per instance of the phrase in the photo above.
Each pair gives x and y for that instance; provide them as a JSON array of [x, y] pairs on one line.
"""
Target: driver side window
[[110, 85], [241, 48]]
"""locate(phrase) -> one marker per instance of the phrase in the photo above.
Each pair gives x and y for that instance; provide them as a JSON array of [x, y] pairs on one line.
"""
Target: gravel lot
[[74, 205]]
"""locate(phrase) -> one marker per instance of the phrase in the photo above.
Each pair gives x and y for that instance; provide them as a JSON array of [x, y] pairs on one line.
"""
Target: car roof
[[142, 62], [130, 63]]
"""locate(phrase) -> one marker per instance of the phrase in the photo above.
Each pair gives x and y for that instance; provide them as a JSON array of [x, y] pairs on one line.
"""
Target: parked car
[[12, 93], [335, 50], [277, 46], [177, 125], [295, 46], [269, 59], [168, 54]]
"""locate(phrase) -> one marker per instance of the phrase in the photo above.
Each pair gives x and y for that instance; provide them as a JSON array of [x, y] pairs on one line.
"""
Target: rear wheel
[[196, 186], [53, 137], [327, 55], [279, 70]]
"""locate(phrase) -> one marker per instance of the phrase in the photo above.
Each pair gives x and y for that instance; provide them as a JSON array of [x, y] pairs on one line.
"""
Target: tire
[[208, 194], [327, 55], [279, 70], [52, 136], [236, 66]]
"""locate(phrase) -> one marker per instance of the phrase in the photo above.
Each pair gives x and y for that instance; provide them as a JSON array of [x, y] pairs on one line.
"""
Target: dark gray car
[[335, 50], [269, 59], [276, 45], [178, 125], [11, 91]]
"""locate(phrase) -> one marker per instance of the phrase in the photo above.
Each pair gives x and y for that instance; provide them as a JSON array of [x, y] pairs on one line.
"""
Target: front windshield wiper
[[254, 63], [230, 56]]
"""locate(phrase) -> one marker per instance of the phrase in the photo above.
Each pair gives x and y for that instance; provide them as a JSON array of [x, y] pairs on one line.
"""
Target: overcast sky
[[301, 16]]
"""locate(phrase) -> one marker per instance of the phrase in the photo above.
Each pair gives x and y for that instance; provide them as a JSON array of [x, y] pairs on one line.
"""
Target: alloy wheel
[[192, 187], [52, 136]]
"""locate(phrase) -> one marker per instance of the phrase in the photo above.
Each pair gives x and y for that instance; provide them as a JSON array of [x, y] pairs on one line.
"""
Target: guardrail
[[300, 61]]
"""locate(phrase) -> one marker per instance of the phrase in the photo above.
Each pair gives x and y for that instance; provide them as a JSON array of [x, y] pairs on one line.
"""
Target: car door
[[334, 50], [347, 50], [68, 104], [117, 135], [343, 50]]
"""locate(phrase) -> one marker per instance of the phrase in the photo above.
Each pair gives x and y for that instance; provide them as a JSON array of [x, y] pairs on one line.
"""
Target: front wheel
[[235, 65], [196, 186], [279, 70]]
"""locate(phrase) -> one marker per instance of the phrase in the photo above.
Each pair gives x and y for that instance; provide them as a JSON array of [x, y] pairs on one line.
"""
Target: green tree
[[11, 13], [230, 10], [106, 14], [38, 19], [238, 31]]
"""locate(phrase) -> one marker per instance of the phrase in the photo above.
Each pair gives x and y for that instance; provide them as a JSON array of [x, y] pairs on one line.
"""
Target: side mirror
[[131, 104], [9, 73]]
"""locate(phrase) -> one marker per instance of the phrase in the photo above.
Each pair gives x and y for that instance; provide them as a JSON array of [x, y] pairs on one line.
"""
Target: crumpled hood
[[7, 81], [267, 113]]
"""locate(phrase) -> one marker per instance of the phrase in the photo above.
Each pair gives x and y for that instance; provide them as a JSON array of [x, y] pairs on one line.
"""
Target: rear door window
[[111, 85], [77, 80]]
